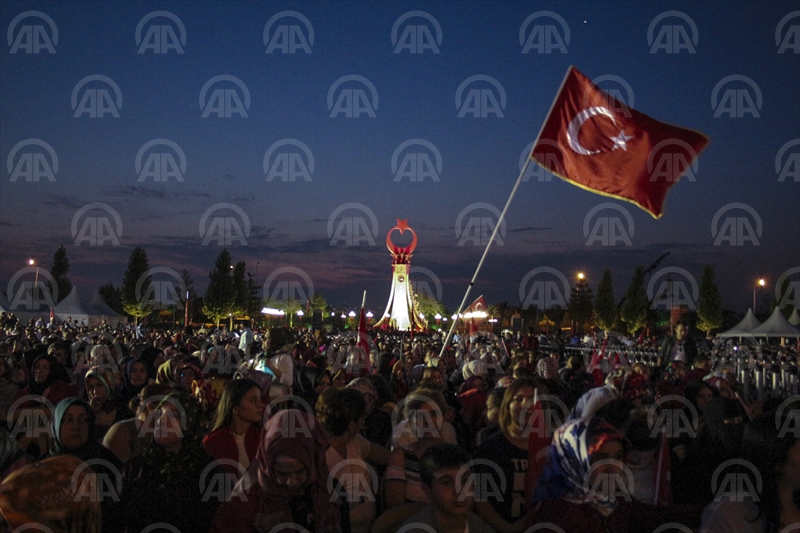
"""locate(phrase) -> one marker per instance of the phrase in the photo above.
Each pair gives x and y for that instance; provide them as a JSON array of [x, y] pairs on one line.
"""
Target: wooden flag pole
[[499, 222]]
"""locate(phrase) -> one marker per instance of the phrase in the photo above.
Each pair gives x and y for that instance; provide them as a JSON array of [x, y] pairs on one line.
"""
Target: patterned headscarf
[[192, 457], [670, 374], [627, 384], [566, 473], [307, 444], [168, 373], [105, 377], [714, 379], [44, 493], [89, 449]]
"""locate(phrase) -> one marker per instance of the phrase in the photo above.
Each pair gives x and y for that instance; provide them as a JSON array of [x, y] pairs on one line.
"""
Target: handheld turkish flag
[[598, 143], [475, 315]]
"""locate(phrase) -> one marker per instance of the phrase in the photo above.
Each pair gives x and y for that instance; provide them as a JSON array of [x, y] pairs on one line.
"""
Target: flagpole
[[500, 220]]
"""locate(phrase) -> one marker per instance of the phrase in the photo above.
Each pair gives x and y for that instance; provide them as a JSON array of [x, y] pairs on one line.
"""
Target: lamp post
[[300, 316], [761, 283], [31, 262]]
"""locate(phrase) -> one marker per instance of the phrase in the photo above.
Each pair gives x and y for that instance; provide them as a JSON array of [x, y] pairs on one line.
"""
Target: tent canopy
[[794, 319], [776, 326], [745, 327]]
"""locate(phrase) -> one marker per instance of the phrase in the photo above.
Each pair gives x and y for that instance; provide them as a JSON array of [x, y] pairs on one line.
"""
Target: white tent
[[73, 309], [4, 304], [776, 326], [25, 306], [102, 309], [794, 318], [744, 328]]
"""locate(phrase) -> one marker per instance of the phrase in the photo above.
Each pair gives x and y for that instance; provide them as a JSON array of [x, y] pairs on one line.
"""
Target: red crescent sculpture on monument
[[400, 311]]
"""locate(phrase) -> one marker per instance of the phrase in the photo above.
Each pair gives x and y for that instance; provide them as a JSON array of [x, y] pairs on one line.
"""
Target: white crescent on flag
[[575, 127]]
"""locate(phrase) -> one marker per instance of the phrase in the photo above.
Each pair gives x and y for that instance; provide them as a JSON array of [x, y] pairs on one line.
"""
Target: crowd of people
[[203, 430]]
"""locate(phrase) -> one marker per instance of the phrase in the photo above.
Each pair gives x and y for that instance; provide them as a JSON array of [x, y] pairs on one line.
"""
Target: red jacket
[[221, 444]]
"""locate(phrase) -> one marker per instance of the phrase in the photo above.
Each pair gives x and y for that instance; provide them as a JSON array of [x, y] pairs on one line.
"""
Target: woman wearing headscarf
[[167, 373], [570, 492], [47, 379], [107, 406], [310, 382], [135, 377], [51, 496], [288, 483], [166, 483], [622, 383]]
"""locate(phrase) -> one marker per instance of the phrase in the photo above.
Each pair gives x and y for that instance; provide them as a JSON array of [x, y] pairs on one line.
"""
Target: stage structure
[[401, 311]]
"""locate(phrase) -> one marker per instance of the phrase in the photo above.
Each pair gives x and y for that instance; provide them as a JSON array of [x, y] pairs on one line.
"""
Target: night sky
[[353, 157]]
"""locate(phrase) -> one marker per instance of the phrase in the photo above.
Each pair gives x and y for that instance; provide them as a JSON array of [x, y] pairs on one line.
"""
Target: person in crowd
[[135, 378], [342, 413], [672, 381], [168, 373], [51, 496], [287, 485], [236, 433], [166, 484], [622, 383], [569, 493], [12, 457], [310, 382], [8, 389], [445, 479], [403, 434], [719, 385], [48, 379], [678, 347], [775, 456], [398, 381], [423, 418], [102, 398], [277, 360], [494, 401], [547, 367], [338, 377], [130, 438], [377, 427], [508, 449]]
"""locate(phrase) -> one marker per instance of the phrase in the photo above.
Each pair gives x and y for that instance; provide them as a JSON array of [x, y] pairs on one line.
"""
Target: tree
[[240, 289], [634, 310], [428, 306], [580, 302], [318, 302], [253, 297], [135, 284], [709, 306], [112, 296], [220, 297], [605, 308], [59, 272]]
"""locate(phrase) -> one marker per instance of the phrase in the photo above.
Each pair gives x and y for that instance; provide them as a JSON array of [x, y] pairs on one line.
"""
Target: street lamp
[[31, 262], [581, 276], [761, 283]]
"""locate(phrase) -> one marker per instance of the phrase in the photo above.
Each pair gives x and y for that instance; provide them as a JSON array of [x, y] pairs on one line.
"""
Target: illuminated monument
[[400, 311]]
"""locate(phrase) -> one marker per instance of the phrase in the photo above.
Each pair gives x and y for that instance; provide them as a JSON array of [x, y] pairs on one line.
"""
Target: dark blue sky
[[353, 156]]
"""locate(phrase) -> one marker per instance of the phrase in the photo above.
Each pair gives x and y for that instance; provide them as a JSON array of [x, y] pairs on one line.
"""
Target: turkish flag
[[596, 142], [475, 315]]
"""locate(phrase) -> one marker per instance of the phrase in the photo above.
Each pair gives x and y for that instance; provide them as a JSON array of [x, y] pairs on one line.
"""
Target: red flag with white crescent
[[596, 142]]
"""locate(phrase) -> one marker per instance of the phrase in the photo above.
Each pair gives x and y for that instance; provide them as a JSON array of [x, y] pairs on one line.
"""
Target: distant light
[[351, 314], [31, 262], [300, 313], [422, 316], [762, 282], [271, 311], [445, 319], [369, 314], [344, 316], [438, 316], [333, 314], [492, 320], [580, 275], [453, 317]]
